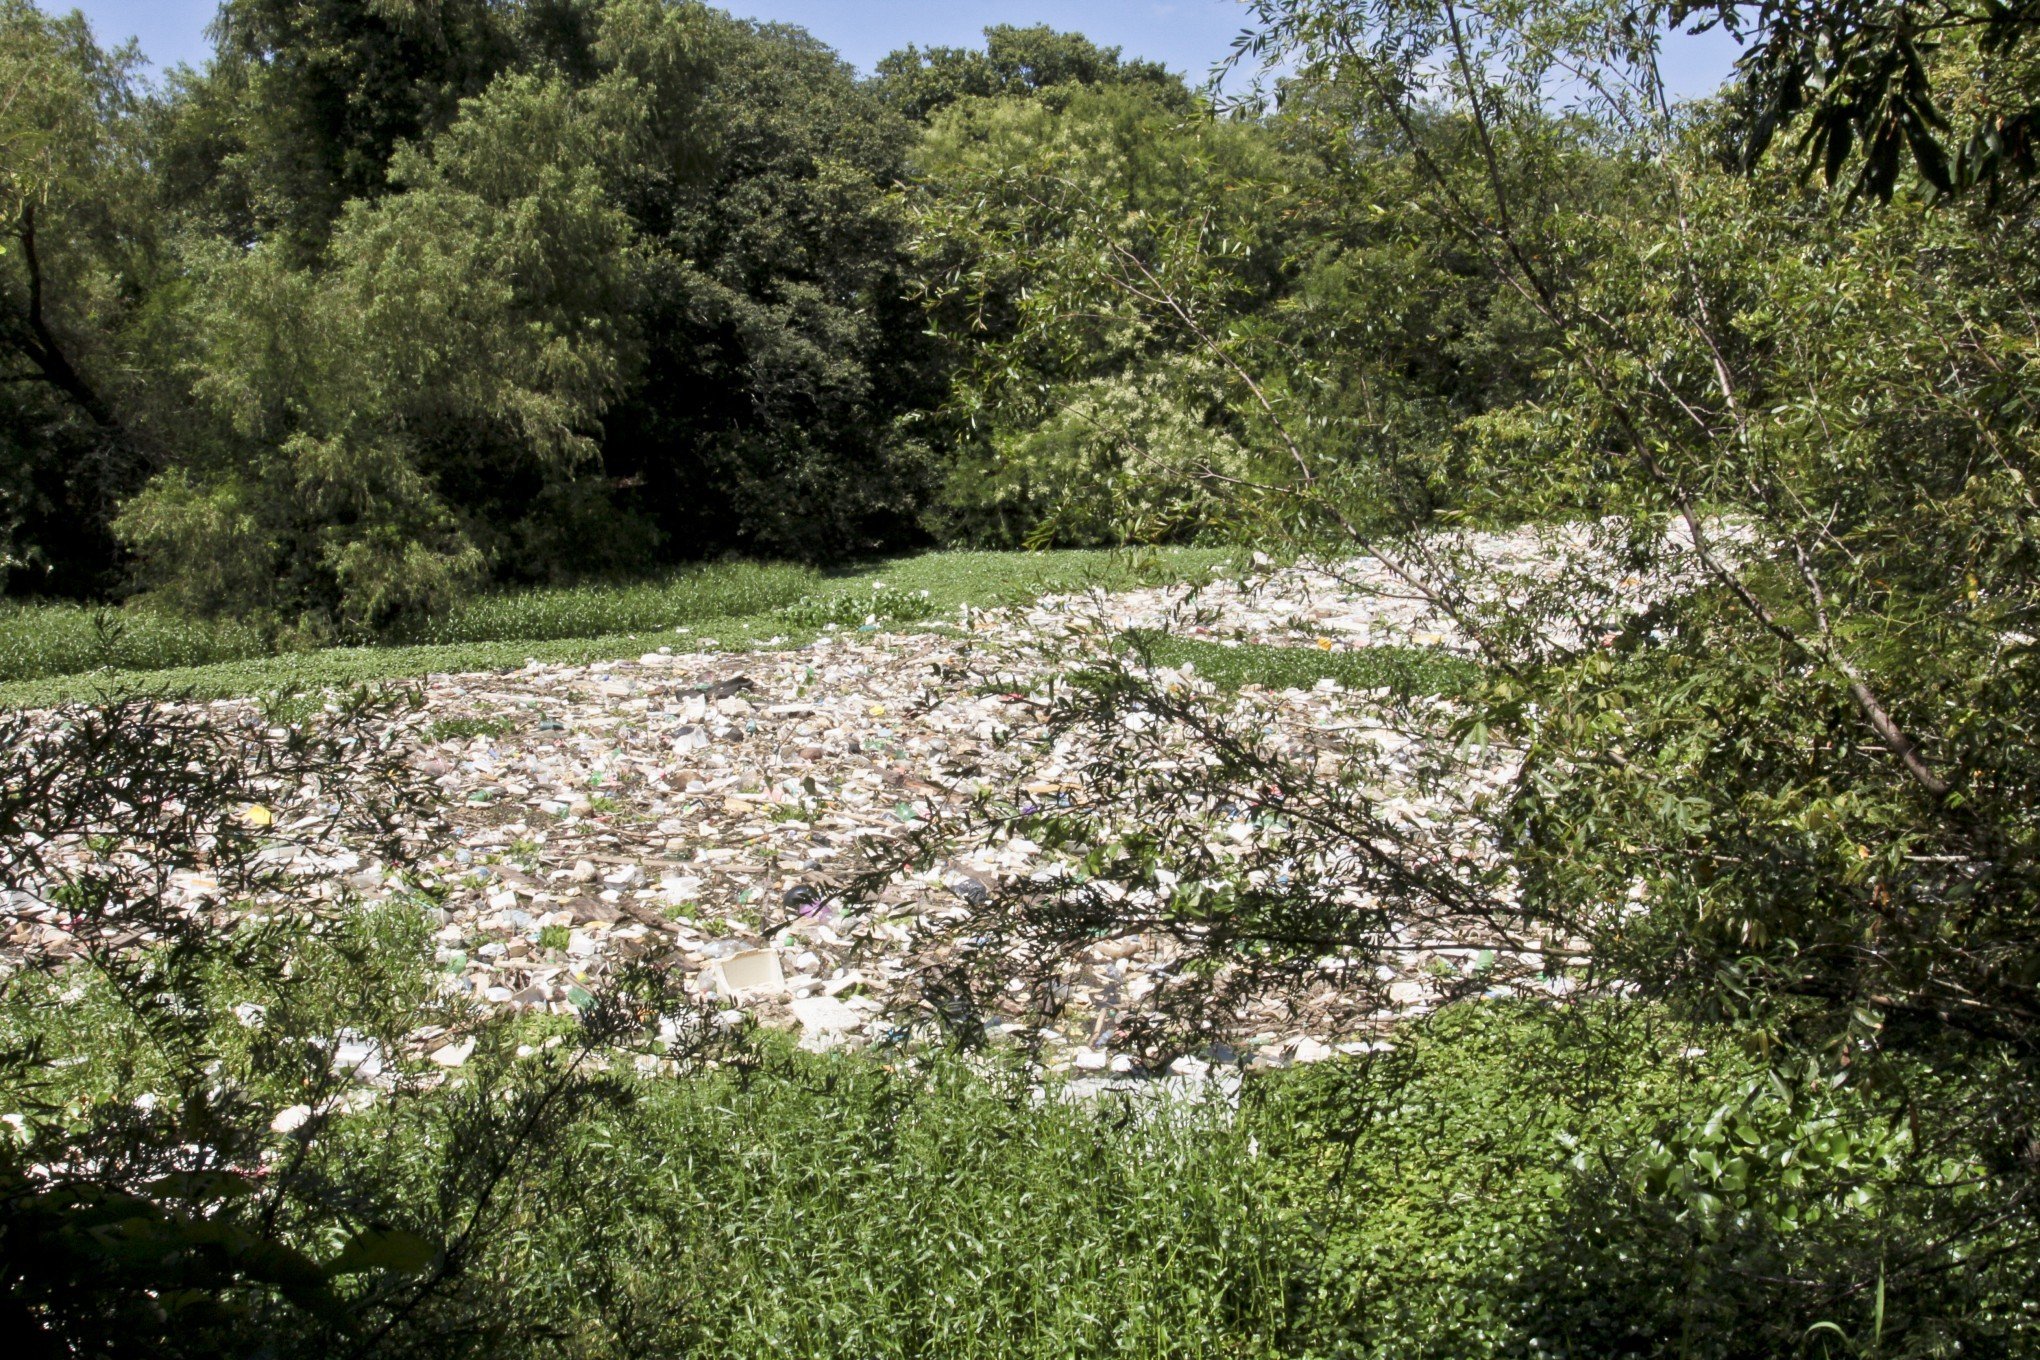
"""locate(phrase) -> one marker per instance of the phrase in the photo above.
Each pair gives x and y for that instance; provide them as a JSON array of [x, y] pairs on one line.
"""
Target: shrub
[[1116, 460], [223, 1132], [850, 610], [1603, 1180]]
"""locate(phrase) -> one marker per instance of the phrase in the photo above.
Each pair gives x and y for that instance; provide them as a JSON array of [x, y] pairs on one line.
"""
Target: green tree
[[78, 253], [324, 94], [641, 294], [1015, 62], [784, 361], [1049, 231], [1795, 793], [1945, 89], [377, 424]]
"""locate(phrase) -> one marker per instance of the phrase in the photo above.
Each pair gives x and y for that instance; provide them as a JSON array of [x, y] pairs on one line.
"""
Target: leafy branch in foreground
[[1773, 703], [1943, 89], [1252, 866], [225, 1128]]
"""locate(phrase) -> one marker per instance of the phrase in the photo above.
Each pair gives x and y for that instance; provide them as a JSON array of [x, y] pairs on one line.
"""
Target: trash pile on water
[[705, 812]]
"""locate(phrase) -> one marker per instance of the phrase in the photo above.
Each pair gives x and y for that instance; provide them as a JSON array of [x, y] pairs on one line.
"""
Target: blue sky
[[1187, 35]]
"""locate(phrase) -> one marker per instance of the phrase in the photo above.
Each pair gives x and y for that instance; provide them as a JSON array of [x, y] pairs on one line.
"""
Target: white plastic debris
[[753, 971], [456, 1054], [290, 1120]]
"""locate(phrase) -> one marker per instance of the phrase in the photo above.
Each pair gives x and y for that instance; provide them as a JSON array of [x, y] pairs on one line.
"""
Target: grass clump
[[467, 729], [992, 579], [48, 654], [1405, 671], [1491, 1187], [41, 640], [850, 609], [832, 1206], [691, 595]]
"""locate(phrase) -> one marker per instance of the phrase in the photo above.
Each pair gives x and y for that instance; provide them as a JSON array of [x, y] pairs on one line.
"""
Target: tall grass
[[40, 640], [841, 1209], [53, 653], [690, 595]]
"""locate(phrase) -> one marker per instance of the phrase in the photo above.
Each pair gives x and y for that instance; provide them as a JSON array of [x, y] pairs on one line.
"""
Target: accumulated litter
[[708, 813]]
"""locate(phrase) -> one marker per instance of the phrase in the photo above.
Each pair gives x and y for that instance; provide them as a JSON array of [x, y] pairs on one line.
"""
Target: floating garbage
[[706, 813]]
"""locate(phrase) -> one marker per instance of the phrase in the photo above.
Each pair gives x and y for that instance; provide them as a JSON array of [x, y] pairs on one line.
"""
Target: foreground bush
[[1439, 1201], [794, 1206], [1509, 1180], [1602, 1180], [224, 1131]]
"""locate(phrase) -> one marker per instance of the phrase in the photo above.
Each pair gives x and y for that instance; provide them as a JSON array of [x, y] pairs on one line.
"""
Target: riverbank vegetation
[[429, 322], [55, 652]]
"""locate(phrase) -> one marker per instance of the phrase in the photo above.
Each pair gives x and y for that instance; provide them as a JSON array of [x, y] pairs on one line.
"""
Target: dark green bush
[[1536, 1180]]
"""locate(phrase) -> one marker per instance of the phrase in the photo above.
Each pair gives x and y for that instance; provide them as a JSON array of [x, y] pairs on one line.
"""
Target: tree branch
[[44, 350]]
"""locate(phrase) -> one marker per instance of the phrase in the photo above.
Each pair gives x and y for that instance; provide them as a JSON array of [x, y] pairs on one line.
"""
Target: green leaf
[[384, 1249], [202, 1185]]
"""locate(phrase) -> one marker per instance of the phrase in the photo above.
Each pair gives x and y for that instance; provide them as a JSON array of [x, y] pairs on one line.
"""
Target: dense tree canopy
[[1945, 88], [388, 301], [1016, 63], [80, 256]]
